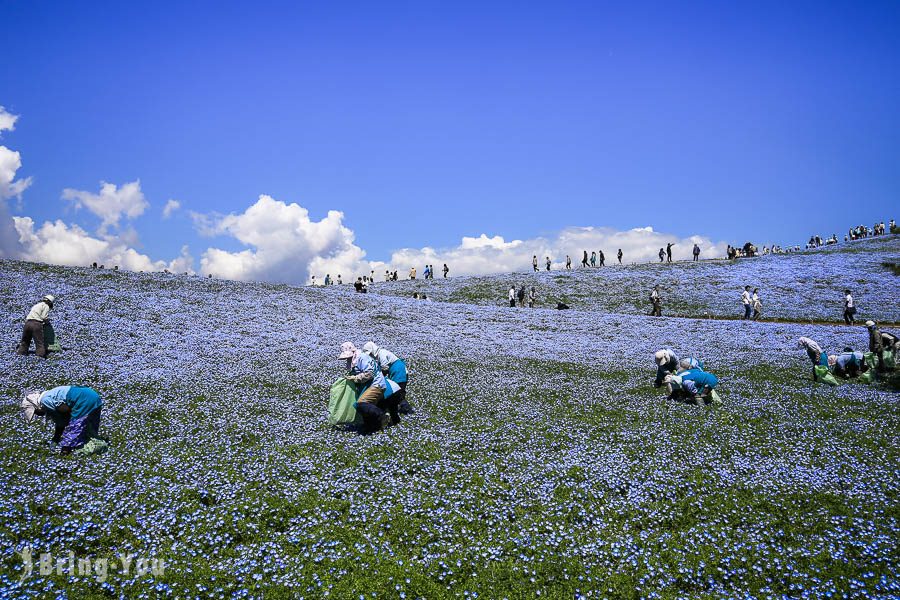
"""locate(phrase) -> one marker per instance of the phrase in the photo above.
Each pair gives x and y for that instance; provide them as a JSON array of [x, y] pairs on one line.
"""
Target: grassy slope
[[540, 460]]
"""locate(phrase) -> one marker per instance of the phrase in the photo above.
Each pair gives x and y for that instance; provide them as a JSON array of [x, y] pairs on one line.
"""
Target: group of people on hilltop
[[389, 275], [861, 231]]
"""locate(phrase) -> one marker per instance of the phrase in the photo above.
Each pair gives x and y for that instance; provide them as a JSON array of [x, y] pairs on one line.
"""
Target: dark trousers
[[664, 370], [696, 257], [512, 303], [746, 311], [657, 309], [33, 329], [848, 315], [402, 404]]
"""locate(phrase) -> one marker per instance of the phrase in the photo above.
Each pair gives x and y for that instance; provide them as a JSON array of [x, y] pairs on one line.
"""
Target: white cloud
[[7, 120], [10, 187], [170, 207], [112, 203], [484, 255], [284, 244], [61, 244]]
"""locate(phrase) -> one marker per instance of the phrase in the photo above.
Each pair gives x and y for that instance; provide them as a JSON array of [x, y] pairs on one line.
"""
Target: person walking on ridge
[[849, 308], [747, 301]]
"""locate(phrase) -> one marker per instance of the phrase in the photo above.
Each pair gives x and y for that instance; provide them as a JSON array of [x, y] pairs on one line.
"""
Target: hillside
[[540, 458], [803, 286]]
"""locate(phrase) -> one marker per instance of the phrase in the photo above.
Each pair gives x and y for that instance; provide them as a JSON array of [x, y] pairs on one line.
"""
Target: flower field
[[799, 287], [540, 462]]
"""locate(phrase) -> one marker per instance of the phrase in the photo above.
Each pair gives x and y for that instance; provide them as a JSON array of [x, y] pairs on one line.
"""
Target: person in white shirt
[[512, 296], [757, 304], [849, 308], [34, 327], [747, 302]]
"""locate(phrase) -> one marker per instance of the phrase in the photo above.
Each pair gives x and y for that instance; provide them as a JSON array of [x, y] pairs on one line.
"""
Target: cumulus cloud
[[7, 120], [485, 255], [10, 187], [62, 244], [283, 244], [170, 207], [112, 203], [10, 162]]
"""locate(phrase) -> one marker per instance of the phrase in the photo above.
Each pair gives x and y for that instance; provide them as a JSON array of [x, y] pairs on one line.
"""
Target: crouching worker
[[34, 327], [691, 386], [816, 355], [394, 368], [848, 363], [363, 371], [666, 362], [702, 382], [73, 409]]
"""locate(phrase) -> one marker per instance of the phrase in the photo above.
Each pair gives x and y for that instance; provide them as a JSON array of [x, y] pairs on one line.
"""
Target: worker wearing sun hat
[[666, 362], [34, 327], [363, 371], [394, 368], [75, 410], [876, 343]]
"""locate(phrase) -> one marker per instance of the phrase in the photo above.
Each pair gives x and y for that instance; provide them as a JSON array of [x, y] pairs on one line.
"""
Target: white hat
[[49, 298], [370, 348], [30, 403], [870, 323], [347, 350], [661, 357]]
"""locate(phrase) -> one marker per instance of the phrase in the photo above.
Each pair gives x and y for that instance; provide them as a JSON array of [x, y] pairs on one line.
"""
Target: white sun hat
[[347, 350]]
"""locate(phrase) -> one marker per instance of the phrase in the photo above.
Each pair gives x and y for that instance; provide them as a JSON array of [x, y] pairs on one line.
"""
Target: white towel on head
[[30, 403]]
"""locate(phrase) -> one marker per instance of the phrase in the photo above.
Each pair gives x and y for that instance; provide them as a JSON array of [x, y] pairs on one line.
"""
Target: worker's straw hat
[[347, 350], [870, 323], [30, 403]]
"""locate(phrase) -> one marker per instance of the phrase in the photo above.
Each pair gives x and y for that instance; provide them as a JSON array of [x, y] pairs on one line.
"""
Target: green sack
[[93, 446], [340, 405], [889, 362], [867, 377], [825, 376], [50, 339], [870, 360]]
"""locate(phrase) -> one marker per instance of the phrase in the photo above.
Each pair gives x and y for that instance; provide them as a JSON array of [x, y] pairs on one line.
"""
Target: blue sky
[[425, 122]]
